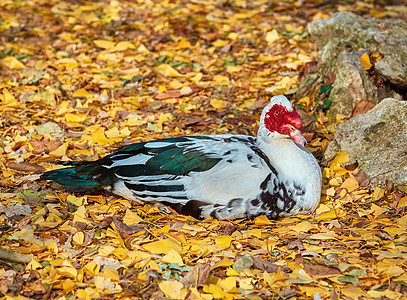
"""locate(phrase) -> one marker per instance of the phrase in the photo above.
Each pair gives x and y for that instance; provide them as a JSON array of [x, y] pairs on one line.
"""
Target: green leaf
[[242, 263], [349, 279], [357, 272]]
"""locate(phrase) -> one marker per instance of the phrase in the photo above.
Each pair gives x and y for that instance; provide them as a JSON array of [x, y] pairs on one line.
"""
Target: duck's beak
[[297, 137], [293, 123]]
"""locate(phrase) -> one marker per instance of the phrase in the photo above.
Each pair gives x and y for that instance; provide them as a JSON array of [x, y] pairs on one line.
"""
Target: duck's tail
[[83, 176]]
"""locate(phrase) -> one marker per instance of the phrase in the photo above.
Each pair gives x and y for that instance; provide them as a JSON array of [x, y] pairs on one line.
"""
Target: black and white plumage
[[220, 176]]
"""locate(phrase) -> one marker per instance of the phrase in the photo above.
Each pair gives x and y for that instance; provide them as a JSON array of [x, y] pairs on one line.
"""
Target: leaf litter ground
[[80, 78]]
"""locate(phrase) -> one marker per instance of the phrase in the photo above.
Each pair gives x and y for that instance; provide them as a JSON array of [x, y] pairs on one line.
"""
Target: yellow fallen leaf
[[246, 283], [8, 99], [168, 71], [402, 202], [125, 45], [378, 193], [111, 273], [92, 267], [385, 294], [163, 246], [225, 262], [164, 229], [68, 272], [327, 215], [77, 201], [231, 272], [223, 241], [310, 291], [350, 184], [115, 134], [340, 158], [82, 93], [394, 271], [216, 291], [334, 182], [253, 232], [220, 43], [304, 58], [262, 221], [267, 278], [323, 236], [402, 222], [173, 257], [105, 284], [131, 218], [98, 136], [221, 79], [303, 226], [234, 69], [80, 215], [68, 285], [197, 77], [365, 61], [171, 289], [227, 284], [216, 103], [377, 210], [330, 191], [272, 36], [60, 151], [142, 49], [175, 84], [183, 43], [78, 238], [302, 277], [12, 63], [69, 63], [353, 292], [290, 27], [75, 118], [33, 265], [104, 44]]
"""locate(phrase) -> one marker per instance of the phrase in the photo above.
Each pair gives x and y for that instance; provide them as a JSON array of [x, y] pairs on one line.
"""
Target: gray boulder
[[377, 140], [341, 41]]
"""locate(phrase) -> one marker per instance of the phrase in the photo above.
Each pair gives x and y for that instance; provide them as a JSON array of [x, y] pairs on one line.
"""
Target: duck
[[222, 176]]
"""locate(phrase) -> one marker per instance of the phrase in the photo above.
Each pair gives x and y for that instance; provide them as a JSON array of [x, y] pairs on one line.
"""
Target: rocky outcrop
[[341, 41], [377, 140]]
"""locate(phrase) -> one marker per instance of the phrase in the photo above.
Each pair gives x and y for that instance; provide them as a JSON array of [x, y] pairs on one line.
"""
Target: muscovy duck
[[221, 176]]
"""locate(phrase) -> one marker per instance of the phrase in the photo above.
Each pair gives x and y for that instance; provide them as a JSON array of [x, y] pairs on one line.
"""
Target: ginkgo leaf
[[365, 61], [173, 257], [168, 71], [350, 184], [76, 118], [223, 241], [272, 36], [262, 220], [216, 103], [78, 238], [12, 63], [124, 45], [172, 289], [8, 99], [163, 246], [131, 218], [105, 44]]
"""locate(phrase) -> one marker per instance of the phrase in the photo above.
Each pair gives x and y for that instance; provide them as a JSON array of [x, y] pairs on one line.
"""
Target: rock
[[341, 41], [377, 140], [351, 86]]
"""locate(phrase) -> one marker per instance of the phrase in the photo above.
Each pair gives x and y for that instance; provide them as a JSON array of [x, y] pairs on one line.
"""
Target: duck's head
[[279, 119]]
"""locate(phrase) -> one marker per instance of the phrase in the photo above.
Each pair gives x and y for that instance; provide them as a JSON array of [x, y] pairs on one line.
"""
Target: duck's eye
[[276, 113]]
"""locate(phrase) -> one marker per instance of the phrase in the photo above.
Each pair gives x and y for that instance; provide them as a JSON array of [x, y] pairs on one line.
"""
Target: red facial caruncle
[[279, 119]]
